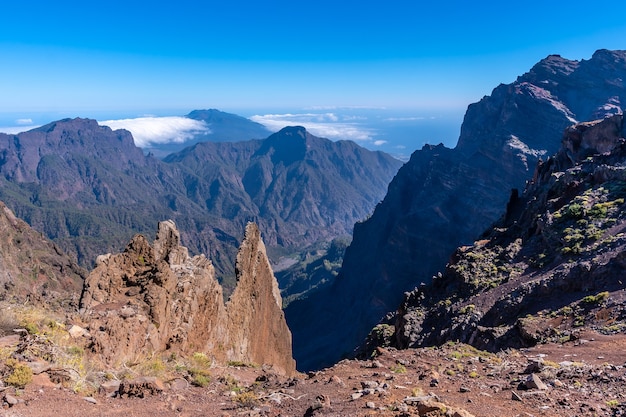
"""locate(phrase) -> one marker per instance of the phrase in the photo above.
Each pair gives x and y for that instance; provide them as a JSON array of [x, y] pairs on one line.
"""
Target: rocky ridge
[[444, 198], [157, 300]]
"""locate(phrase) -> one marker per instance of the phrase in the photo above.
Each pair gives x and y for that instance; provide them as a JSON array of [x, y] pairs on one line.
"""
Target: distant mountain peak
[[288, 145]]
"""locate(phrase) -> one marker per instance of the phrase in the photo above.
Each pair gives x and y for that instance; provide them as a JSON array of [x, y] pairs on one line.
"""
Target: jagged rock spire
[[153, 299]]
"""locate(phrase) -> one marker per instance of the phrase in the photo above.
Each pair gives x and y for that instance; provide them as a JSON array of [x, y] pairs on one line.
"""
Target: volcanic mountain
[[443, 198]]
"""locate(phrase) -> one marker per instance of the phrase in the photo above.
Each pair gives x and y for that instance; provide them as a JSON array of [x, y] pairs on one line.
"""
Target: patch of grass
[[398, 369], [201, 360], [612, 404], [154, 367], [239, 364], [467, 309]]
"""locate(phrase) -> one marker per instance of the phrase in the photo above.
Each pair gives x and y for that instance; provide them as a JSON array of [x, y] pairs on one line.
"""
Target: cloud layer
[[150, 131], [326, 125]]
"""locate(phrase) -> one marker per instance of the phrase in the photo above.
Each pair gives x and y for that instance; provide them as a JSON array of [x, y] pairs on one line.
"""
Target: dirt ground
[[582, 378]]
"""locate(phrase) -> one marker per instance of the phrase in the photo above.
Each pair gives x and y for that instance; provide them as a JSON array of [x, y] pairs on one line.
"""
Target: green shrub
[[20, 376], [596, 299]]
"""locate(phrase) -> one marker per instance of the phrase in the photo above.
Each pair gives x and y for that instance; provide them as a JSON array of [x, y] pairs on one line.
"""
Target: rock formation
[[443, 198], [550, 267], [155, 299], [32, 268]]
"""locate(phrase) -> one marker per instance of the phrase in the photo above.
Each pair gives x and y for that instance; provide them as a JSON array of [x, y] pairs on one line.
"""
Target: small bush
[[200, 380], [596, 299], [246, 399], [398, 369], [20, 376]]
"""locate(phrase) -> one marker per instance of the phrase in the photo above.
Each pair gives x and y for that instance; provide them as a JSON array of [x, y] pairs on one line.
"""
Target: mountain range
[[89, 189], [444, 198]]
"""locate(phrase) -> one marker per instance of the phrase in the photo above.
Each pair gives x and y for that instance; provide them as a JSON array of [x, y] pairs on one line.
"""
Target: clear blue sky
[[139, 56]]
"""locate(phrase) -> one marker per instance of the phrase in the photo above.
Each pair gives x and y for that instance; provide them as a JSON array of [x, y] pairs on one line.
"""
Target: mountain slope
[[443, 198], [33, 269]]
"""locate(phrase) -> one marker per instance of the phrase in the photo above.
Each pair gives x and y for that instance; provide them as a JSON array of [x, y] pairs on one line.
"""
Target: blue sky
[[131, 58]]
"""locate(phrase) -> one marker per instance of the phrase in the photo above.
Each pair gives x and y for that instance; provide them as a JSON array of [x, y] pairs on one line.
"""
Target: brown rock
[[141, 387], [11, 400], [43, 380], [152, 299], [109, 388], [9, 341], [77, 332], [534, 382], [38, 366]]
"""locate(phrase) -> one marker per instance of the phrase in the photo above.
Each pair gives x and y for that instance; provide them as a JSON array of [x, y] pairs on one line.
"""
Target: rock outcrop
[[552, 266], [32, 268], [156, 298], [443, 198]]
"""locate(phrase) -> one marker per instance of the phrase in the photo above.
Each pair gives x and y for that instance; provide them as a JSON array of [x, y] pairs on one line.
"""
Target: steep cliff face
[[32, 268], [443, 198], [257, 328], [551, 266], [153, 299]]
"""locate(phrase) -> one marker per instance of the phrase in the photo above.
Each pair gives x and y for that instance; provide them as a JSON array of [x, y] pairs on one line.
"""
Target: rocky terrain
[[444, 198], [90, 189], [586, 377], [553, 264]]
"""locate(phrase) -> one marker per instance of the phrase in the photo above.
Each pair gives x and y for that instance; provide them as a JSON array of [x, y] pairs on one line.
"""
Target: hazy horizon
[[398, 132]]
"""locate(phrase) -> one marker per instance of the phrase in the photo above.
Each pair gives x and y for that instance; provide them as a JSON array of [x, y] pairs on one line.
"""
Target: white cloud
[[326, 125], [345, 108], [379, 142], [21, 125], [154, 130], [407, 119], [14, 130]]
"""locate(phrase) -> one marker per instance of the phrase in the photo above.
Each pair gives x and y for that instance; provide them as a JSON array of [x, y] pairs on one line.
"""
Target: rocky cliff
[[32, 268], [443, 198], [550, 267], [152, 299]]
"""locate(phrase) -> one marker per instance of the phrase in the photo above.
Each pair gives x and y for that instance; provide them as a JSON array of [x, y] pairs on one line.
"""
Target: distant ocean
[[397, 132]]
